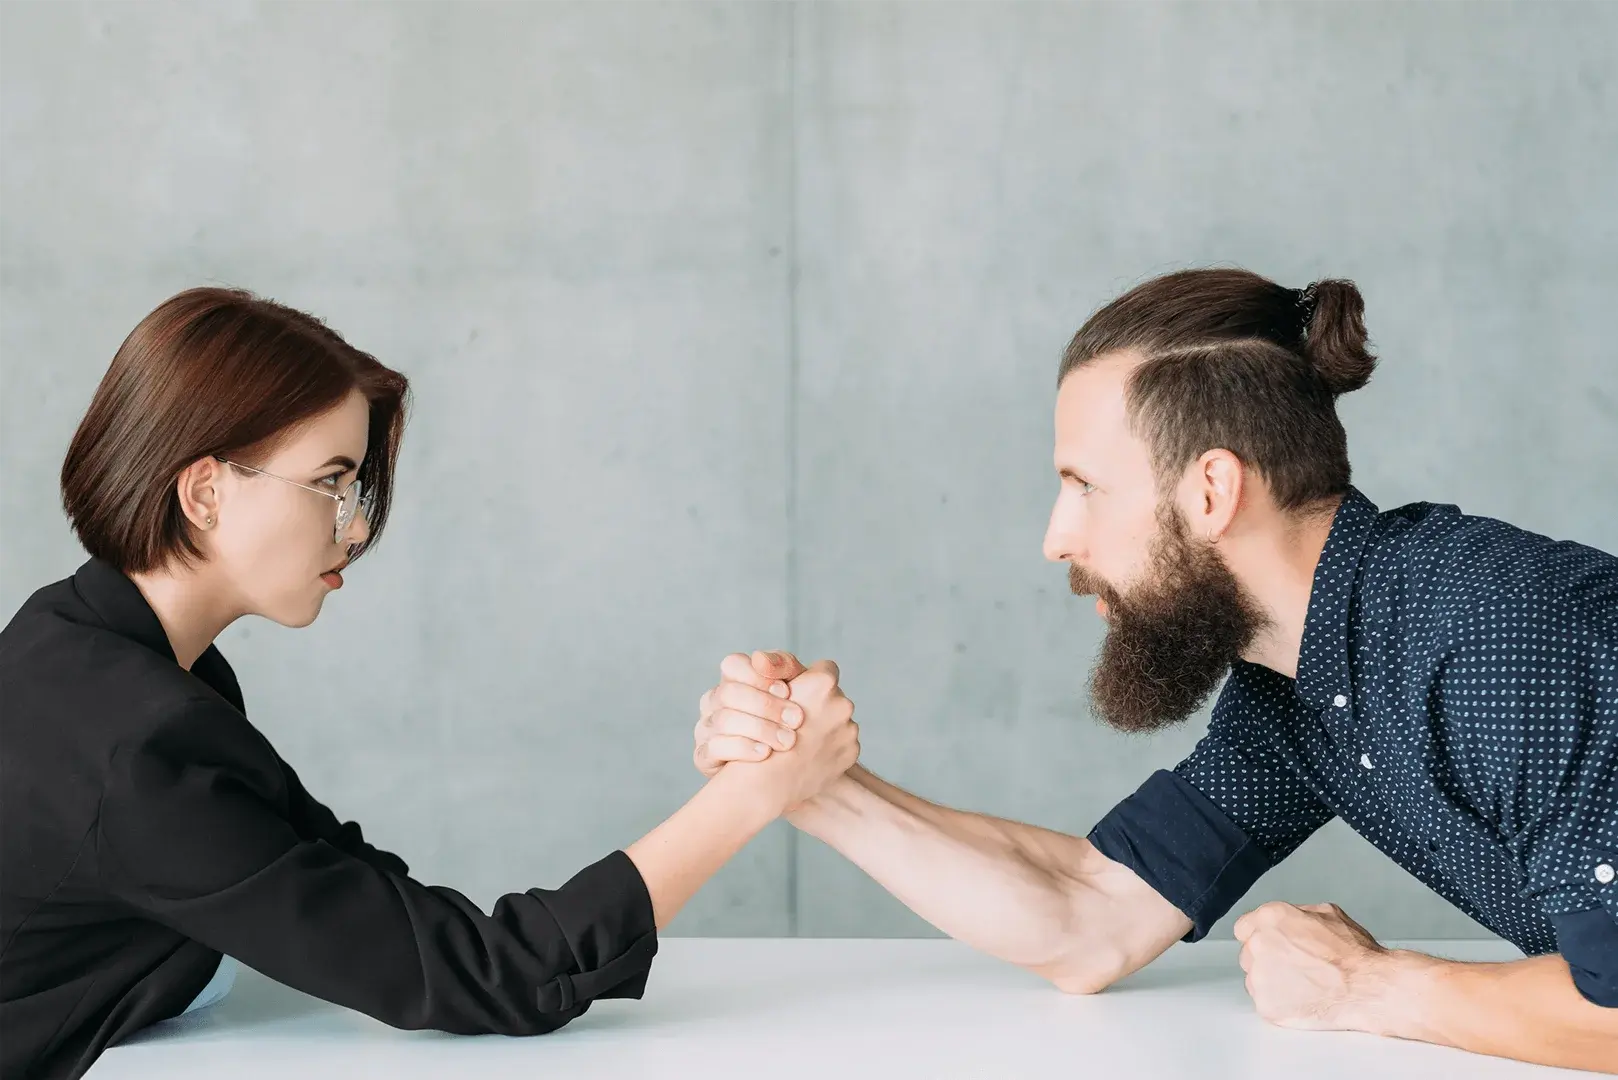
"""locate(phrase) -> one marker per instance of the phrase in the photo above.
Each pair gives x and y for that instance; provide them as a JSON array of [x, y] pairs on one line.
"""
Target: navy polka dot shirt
[[1456, 704]]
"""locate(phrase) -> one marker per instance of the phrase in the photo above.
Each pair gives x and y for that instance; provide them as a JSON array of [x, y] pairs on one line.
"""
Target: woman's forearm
[[679, 856]]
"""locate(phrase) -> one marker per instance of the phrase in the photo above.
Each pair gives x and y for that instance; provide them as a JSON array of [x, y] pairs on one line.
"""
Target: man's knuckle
[[814, 684]]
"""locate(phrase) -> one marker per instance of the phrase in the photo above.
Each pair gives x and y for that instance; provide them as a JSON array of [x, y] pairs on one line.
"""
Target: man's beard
[[1173, 636]]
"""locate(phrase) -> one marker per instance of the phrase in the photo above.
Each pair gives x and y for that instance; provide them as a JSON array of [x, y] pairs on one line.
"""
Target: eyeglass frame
[[364, 501]]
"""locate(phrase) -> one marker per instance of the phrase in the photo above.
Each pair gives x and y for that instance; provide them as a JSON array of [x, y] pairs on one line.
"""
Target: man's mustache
[[1084, 583]]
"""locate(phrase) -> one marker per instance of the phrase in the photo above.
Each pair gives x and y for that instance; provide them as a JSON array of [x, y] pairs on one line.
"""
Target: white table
[[831, 1010]]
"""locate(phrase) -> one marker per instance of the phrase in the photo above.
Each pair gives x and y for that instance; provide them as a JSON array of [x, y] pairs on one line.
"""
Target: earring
[[208, 521]]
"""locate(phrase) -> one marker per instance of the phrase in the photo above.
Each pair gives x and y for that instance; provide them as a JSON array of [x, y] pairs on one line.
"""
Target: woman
[[237, 457]]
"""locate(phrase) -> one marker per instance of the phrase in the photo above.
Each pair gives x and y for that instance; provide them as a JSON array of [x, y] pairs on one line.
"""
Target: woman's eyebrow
[[344, 460]]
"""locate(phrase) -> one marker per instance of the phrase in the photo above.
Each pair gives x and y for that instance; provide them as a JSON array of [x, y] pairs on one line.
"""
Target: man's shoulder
[[1255, 701], [1440, 556]]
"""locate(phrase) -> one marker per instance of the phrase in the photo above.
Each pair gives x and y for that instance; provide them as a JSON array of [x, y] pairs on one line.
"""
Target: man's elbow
[[1081, 984], [1080, 956], [1088, 969], [1085, 980]]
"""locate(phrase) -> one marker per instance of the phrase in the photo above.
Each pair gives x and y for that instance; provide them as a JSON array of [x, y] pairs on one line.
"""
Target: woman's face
[[274, 545]]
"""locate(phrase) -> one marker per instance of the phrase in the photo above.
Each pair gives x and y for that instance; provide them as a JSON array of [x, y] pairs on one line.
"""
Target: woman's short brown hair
[[213, 372]]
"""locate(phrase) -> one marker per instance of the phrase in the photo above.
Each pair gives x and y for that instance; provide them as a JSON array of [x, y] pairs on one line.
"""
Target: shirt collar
[[1323, 664], [122, 608]]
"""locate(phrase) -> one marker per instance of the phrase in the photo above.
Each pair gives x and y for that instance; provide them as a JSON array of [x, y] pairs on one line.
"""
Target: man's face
[[1177, 617]]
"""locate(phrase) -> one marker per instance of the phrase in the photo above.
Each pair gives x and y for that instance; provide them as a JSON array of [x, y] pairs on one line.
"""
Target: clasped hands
[[770, 702], [1306, 966]]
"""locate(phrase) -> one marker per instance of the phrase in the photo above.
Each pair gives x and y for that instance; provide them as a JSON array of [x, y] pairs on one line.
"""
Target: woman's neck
[[192, 612]]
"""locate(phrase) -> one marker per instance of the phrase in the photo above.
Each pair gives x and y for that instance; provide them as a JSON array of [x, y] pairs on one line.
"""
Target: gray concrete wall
[[737, 325]]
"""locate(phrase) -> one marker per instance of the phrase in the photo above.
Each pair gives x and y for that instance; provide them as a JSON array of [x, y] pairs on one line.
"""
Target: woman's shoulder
[[86, 709], [77, 690]]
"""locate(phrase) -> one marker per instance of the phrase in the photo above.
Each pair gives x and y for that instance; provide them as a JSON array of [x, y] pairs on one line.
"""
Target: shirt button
[[1365, 759], [1339, 701], [1604, 874]]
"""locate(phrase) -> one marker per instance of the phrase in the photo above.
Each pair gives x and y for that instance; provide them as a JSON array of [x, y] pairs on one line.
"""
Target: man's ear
[[1212, 493]]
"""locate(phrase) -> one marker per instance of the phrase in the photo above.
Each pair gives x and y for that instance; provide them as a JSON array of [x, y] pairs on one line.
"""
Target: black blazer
[[147, 828]]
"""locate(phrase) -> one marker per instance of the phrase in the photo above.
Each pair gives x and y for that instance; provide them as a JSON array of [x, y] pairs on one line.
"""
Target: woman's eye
[[330, 481]]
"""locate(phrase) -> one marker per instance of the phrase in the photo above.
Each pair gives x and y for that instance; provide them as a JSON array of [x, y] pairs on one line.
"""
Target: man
[[1446, 684]]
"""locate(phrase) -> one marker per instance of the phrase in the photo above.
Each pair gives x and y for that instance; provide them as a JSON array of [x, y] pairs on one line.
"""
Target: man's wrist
[[1399, 992], [814, 813]]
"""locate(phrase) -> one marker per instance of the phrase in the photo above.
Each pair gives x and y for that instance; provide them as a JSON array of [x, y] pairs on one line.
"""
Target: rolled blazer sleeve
[[196, 831]]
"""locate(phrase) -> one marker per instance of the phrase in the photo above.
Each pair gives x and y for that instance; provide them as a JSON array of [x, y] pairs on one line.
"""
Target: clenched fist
[[1310, 966]]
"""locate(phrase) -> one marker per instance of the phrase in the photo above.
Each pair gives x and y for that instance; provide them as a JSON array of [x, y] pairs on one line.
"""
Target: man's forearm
[[1024, 894], [1528, 1010]]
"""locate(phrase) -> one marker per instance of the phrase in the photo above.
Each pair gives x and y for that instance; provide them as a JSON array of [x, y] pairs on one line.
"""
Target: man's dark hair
[[1231, 360]]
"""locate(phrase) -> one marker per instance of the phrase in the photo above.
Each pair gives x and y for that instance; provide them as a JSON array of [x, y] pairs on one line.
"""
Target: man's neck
[[191, 612], [1277, 566]]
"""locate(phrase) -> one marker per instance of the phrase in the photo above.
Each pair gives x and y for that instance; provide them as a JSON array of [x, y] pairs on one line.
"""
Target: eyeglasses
[[352, 498]]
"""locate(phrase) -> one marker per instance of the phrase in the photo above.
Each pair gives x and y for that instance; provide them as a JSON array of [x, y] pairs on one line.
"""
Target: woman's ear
[[197, 487]]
